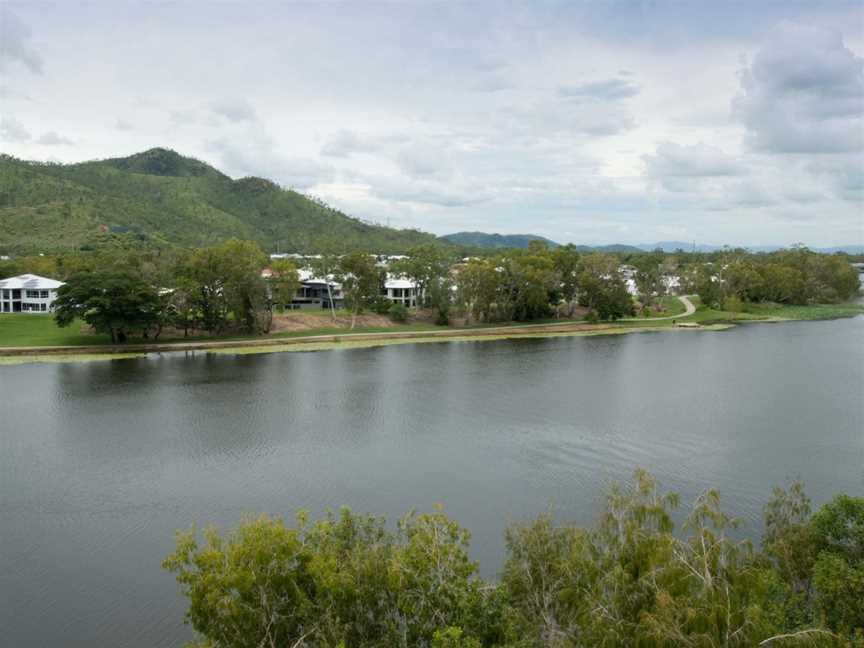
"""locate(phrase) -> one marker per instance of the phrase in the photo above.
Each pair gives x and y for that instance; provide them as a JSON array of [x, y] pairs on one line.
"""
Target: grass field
[[20, 330], [40, 330], [671, 306]]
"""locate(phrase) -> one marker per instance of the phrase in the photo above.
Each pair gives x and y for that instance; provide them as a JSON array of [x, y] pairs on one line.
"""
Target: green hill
[[484, 240], [163, 198]]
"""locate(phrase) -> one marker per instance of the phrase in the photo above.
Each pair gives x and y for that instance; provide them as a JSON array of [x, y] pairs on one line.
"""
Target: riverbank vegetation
[[235, 291], [631, 579]]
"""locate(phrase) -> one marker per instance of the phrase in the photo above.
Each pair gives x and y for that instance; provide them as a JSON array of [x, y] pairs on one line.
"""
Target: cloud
[[346, 142], [123, 125], [234, 109], [11, 130], [424, 160], [257, 155], [803, 93], [183, 117], [606, 90], [53, 139], [427, 192], [15, 43], [683, 168]]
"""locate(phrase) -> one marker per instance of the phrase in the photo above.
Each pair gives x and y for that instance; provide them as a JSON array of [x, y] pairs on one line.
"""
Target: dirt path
[[512, 330], [689, 309]]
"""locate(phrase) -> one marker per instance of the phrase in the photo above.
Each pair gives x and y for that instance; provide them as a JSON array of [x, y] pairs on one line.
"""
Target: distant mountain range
[[164, 198], [486, 240]]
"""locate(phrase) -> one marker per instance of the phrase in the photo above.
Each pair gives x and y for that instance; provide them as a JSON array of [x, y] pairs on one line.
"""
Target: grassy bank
[[40, 331]]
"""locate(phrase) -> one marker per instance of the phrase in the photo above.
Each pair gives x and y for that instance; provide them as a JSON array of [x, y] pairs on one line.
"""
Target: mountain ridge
[[164, 198]]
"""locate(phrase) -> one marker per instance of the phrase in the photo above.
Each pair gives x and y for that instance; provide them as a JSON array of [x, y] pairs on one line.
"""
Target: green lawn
[[671, 306], [18, 329], [40, 330]]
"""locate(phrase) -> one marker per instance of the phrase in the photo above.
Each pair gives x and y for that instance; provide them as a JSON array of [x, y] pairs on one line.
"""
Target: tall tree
[[424, 265], [110, 302], [361, 282]]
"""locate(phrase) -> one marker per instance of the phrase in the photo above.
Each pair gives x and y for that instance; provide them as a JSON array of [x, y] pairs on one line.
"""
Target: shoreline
[[23, 355], [687, 321]]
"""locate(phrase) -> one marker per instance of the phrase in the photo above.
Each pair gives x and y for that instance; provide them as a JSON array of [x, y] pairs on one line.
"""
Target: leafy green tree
[[566, 263], [838, 573], [230, 288], [361, 282], [425, 265], [110, 302], [250, 589], [283, 283], [326, 266], [478, 285]]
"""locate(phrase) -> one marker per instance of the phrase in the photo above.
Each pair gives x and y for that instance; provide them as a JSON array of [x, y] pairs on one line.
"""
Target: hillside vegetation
[[163, 198]]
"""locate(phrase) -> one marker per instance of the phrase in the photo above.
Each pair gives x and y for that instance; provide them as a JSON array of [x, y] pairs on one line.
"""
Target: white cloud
[[11, 130], [53, 139], [234, 109], [15, 45], [606, 90], [803, 93], [347, 142], [685, 168]]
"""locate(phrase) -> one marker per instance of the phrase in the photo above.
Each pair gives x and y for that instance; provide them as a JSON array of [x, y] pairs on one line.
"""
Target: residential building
[[28, 293], [313, 292], [400, 291]]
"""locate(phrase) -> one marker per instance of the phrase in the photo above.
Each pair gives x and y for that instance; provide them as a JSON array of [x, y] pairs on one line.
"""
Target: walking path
[[688, 306], [514, 330]]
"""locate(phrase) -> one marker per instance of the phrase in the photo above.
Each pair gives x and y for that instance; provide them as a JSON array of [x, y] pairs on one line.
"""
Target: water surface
[[100, 462]]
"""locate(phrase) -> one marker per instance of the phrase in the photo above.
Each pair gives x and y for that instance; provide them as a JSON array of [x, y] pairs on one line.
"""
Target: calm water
[[101, 462]]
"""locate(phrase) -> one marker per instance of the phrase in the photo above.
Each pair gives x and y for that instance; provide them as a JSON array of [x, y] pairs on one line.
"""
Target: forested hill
[[164, 198], [497, 241]]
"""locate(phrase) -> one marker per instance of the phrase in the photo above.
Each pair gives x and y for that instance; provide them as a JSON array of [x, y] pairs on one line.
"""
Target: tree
[[283, 282], [361, 282], [566, 262], [230, 288], [425, 265], [477, 288], [326, 266], [110, 302], [602, 288]]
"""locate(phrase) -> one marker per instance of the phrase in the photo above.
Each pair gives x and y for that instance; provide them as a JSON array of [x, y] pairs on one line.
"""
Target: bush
[[355, 581], [381, 305], [398, 312]]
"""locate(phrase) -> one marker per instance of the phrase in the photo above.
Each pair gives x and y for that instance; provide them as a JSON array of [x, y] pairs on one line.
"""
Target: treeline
[[351, 581], [786, 277], [121, 289]]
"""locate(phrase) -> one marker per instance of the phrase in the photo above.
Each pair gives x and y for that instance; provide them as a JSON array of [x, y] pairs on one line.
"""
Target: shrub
[[398, 312]]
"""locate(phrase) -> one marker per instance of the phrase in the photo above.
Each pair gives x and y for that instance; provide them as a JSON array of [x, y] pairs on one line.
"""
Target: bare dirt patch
[[300, 321]]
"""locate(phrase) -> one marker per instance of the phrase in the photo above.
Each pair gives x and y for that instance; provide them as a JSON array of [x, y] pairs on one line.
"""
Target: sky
[[588, 122]]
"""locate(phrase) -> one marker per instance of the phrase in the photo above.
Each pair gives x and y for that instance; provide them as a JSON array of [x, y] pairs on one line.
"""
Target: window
[[44, 307], [32, 294], [43, 294]]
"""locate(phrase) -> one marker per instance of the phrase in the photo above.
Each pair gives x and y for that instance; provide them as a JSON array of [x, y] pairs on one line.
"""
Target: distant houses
[[28, 293], [313, 292]]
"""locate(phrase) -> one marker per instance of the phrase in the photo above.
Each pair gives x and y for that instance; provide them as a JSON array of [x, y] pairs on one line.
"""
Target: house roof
[[399, 282], [30, 282]]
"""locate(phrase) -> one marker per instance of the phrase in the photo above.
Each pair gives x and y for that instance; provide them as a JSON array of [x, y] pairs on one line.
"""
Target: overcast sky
[[591, 122]]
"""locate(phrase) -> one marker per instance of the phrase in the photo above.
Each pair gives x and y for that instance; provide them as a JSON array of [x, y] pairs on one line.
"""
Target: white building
[[28, 293], [401, 291]]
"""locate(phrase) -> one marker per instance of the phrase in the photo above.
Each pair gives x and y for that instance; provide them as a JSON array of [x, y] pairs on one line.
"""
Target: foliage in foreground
[[630, 580]]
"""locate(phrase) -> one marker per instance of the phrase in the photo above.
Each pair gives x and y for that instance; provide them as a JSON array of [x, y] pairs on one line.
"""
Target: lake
[[100, 462]]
